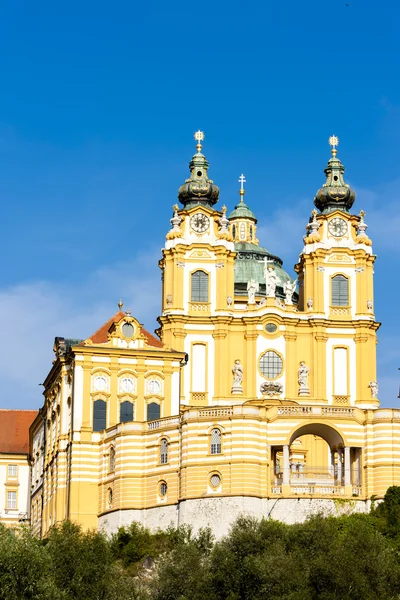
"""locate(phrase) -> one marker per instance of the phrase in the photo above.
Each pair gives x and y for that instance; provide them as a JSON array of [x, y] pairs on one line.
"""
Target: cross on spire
[[242, 181], [199, 137]]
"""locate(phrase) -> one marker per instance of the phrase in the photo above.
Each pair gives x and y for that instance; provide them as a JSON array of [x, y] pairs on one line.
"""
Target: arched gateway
[[316, 461]]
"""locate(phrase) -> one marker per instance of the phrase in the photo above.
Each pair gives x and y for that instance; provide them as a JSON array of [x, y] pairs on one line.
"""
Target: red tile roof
[[14, 430], [101, 335]]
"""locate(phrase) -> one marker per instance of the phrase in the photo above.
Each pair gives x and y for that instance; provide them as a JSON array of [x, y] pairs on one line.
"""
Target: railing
[[337, 411], [356, 490], [167, 422], [199, 307], [215, 412], [199, 397], [341, 399], [317, 490]]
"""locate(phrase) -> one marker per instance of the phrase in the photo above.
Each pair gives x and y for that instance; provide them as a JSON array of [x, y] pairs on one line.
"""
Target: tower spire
[[335, 193], [198, 189]]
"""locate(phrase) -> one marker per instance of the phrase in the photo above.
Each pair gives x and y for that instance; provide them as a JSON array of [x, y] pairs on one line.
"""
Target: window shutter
[[340, 291], [199, 287], [126, 412], [153, 411], [99, 415]]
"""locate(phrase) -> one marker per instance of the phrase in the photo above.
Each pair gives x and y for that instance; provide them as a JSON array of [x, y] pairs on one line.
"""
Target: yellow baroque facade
[[254, 398]]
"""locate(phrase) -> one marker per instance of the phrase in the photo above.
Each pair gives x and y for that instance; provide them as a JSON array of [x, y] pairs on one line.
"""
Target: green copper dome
[[249, 264], [242, 211], [335, 193]]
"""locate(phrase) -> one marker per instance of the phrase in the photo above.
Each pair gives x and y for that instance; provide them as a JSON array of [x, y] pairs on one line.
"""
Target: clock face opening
[[337, 227], [199, 223]]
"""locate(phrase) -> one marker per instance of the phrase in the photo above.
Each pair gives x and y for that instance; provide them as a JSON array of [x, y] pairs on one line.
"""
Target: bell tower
[[335, 273], [198, 280]]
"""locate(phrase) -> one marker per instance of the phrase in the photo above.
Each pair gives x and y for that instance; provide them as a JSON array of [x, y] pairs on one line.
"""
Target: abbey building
[[259, 394]]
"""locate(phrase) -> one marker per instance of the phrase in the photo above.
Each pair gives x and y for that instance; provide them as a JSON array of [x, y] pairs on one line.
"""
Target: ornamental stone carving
[[289, 288], [271, 388], [237, 372], [310, 303], [271, 280], [302, 379], [252, 289], [373, 385], [168, 299]]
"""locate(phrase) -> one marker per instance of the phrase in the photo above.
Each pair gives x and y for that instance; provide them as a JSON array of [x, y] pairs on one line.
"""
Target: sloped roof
[[14, 430], [101, 335]]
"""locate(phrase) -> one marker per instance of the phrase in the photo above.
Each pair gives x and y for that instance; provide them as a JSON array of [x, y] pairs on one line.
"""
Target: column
[[347, 470], [339, 465], [286, 467], [332, 464]]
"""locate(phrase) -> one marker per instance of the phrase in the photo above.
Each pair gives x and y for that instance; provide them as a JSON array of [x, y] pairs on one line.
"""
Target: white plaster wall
[[78, 397], [175, 393], [209, 340], [350, 345], [220, 513]]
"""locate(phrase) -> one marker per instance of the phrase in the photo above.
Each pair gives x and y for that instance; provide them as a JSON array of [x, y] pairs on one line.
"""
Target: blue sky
[[98, 107]]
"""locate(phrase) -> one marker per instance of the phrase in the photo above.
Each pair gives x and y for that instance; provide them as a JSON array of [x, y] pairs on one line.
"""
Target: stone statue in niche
[[302, 379], [252, 289], [271, 280], [289, 289], [237, 372], [373, 385]]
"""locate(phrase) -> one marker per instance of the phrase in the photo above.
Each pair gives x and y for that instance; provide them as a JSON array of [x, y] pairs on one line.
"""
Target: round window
[[153, 386], [271, 364], [270, 327], [163, 489], [128, 330], [215, 480]]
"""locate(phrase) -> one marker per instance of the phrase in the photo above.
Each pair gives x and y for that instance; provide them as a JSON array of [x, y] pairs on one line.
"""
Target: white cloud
[[35, 313]]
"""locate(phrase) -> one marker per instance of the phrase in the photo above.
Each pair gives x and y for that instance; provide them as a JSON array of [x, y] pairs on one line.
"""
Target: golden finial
[[242, 181], [362, 214], [175, 208], [224, 209], [199, 137], [120, 304], [334, 142]]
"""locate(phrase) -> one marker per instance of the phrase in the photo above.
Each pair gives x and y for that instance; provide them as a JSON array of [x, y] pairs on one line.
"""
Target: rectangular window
[[340, 291], [199, 291], [12, 470], [11, 500]]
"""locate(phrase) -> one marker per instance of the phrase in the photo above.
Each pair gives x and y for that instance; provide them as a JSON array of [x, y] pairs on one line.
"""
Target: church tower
[[198, 282], [335, 274]]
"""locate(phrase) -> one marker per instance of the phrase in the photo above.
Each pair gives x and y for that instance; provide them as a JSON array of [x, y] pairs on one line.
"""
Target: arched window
[[110, 497], [233, 231], [126, 411], [164, 452], [340, 291], [111, 464], [199, 287], [99, 415], [215, 446], [153, 411]]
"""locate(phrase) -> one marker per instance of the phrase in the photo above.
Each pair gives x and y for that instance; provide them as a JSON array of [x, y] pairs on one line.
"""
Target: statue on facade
[[289, 288], [373, 385], [271, 280], [252, 289], [302, 379], [237, 372], [310, 303]]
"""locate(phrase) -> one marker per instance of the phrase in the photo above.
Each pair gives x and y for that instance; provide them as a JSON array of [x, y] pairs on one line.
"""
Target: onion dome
[[198, 189], [335, 193]]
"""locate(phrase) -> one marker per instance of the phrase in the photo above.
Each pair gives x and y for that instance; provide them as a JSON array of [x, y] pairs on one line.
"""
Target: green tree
[[25, 568]]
